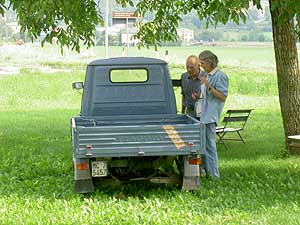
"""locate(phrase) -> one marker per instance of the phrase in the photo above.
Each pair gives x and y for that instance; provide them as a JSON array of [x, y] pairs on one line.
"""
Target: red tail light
[[190, 144], [82, 166], [195, 161], [88, 147]]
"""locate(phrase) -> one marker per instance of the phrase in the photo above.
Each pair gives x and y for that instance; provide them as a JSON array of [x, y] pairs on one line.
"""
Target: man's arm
[[216, 93]]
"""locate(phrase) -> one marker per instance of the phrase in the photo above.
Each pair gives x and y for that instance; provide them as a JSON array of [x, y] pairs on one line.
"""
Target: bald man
[[191, 86]]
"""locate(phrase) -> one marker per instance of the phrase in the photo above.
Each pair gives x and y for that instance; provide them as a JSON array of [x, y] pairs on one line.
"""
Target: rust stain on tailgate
[[174, 136]]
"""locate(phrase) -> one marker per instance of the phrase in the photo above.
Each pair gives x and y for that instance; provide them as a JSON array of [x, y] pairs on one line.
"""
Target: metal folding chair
[[234, 121]]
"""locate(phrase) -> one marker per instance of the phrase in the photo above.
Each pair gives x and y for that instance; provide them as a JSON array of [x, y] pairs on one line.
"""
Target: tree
[[76, 21], [283, 14], [70, 21]]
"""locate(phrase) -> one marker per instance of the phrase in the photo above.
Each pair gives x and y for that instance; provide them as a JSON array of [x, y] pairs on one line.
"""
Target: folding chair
[[234, 121], [176, 82]]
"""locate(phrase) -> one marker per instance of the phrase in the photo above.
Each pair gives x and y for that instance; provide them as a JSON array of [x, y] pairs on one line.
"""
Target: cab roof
[[126, 61]]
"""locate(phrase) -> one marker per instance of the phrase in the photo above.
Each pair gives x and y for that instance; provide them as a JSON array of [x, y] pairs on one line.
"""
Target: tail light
[[195, 161], [82, 166], [88, 147]]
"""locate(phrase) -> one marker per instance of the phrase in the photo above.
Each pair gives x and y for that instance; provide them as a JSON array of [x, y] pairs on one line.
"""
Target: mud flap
[[191, 175], [84, 186]]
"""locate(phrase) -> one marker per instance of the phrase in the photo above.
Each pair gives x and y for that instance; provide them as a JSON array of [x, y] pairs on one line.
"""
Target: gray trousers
[[211, 155]]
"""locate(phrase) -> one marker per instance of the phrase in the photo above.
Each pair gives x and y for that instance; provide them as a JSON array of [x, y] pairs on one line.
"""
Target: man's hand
[[195, 96], [204, 80]]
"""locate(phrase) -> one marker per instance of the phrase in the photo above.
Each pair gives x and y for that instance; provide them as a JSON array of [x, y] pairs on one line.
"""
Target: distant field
[[231, 54]]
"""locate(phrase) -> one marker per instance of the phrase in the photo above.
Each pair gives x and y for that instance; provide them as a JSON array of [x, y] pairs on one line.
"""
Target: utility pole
[[127, 31], [106, 29], [6, 30]]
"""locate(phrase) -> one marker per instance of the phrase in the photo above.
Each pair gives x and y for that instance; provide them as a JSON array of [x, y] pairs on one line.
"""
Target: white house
[[15, 27], [185, 34]]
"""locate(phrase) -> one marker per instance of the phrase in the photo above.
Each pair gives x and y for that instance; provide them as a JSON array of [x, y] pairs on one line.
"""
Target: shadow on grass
[[36, 161]]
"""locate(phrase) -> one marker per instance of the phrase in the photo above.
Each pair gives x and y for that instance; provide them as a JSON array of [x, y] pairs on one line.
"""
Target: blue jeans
[[211, 156]]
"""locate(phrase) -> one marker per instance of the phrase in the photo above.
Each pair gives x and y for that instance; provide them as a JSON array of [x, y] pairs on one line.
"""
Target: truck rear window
[[128, 75]]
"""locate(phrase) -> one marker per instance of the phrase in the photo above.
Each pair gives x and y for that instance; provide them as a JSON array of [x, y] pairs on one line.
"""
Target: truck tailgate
[[137, 136]]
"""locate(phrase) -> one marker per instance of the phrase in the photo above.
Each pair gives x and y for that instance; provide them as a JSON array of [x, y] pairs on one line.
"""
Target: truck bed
[[139, 135]]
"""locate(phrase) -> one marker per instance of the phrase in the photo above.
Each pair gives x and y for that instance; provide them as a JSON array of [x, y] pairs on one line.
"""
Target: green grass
[[258, 185]]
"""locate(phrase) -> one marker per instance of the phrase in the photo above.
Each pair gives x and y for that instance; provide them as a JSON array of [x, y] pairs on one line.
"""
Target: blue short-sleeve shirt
[[212, 106]]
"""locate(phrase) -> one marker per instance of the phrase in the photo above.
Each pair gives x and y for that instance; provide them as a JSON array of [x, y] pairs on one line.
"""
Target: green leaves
[[2, 7], [287, 12], [163, 26], [69, 21], [74, 22], [167, 15]]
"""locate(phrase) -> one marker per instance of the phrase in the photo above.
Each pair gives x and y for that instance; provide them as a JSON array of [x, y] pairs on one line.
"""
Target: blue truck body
[[129, 129]]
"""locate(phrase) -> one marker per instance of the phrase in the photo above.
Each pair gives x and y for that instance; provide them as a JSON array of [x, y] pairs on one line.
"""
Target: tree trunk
[[287, 67]]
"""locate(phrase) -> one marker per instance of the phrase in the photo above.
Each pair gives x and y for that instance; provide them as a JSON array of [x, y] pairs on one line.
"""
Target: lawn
[[259, 183]]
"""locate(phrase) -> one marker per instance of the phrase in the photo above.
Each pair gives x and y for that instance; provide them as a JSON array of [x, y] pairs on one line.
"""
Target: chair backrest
[[237, 116]]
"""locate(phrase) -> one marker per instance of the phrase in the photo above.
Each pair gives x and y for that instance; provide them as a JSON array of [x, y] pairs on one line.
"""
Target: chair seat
[[227, 129], [234, 121]]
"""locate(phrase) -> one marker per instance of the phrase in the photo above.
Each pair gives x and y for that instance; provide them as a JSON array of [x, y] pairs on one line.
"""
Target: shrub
[[244, 37], [261, 38]]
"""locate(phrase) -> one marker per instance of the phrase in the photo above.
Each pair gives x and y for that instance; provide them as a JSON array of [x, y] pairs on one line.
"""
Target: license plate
[[99, 169]]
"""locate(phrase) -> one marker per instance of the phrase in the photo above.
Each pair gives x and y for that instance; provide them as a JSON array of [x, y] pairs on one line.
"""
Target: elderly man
[[191, 86], [214, 97]]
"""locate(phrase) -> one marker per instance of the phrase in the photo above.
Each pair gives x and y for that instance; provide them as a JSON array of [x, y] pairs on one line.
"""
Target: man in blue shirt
[[191, 86], [215, 93]]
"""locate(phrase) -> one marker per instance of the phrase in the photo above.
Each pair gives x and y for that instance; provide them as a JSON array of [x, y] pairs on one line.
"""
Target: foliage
[[75, 23], [72, 25], [70, 22], [173, 43], [208, 35], [256, 36], [167, 16], [244, 37], [261, 38]]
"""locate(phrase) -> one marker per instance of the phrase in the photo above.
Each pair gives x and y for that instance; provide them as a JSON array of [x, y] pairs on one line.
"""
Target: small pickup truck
[[128, 129]]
